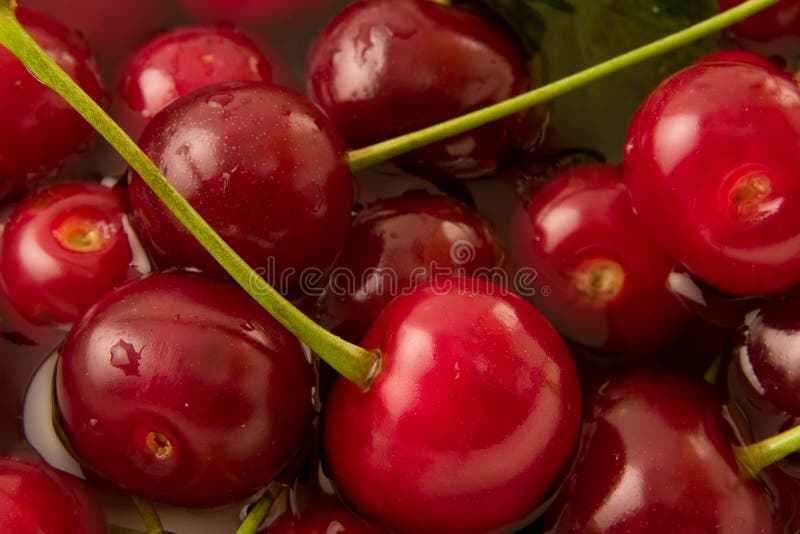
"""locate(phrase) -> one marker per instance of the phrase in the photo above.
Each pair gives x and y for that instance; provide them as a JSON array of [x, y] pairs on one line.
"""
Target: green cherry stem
[[753, 458], [366, 157], [256, 515], [149, 515], [354, 363], [115, 529]]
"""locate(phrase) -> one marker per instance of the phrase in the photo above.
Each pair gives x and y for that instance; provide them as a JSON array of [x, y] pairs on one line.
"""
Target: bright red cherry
[[397, 243], [469, 423], [776, 21], [184, 390], [63, 249], [39, 130], [182, 61], [657, 458], [323, 519], [262, 165], [35, 498], [606, 280], [711, 164], [387, 67]]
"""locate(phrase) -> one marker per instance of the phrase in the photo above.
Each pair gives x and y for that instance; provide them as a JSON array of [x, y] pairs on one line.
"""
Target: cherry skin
[[657, 458], [383, 68], [182, 389], [710, 161], [262, 165], [39, 130], [397, 243], [776, 21], [743, 56], [63, 249], [35, 498], [323, 519], [469, 423], [182, 61], [607, 280]]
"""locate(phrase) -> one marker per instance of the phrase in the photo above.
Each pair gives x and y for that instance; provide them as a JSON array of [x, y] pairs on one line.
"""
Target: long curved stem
[[753, 458], [366, 157], [353, 362]]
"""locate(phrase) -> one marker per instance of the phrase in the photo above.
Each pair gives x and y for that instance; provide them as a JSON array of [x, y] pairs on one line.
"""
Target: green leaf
[[598, 116], [524, 17]]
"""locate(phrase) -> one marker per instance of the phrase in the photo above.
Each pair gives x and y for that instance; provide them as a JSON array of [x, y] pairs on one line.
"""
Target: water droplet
[[125, 357], [219, 100], [248, 327]]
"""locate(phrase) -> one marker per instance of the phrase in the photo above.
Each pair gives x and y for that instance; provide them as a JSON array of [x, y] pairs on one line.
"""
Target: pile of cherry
[[473, 414]]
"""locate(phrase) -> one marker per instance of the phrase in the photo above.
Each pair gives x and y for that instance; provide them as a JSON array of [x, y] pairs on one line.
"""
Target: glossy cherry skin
[[182, 61], [602, 280], [181, 389], [776, 21], [39, 130], [36, 499], [469, 423], [63, 249], [323, 519], [383, 68], [397, 243], [657, 458], [710, 161], [262, 165]]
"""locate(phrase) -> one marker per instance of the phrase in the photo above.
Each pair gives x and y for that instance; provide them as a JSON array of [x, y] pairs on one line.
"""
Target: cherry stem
[[353, 362], [115, 529], [753, 458], [149, 515], [256, 515], [366, 157]]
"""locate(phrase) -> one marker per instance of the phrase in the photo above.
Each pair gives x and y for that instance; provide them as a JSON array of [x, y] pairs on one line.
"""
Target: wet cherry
[[39, 130], [35, 498], [606, 280], [710, 161], [323, 519], [64, 248], [182, 389], [262, 165], [774, 22], [399, 242], [470, 421], [377, 71]]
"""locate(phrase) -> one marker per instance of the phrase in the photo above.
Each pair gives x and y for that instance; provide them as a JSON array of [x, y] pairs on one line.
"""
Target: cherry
[[710, 162], [37, 499], [606, 280], [181, 61], [470, 421], [262, 165], [744, 56], [323, 519], [248, 11], [777, 21], [63, 249], [377, 70], [40, 130], [657, 458], [182, 389], [396, 243]]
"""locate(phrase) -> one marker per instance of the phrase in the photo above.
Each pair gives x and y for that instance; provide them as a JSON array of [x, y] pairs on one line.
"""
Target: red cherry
[[657, 458], [606, 280], [182, 61], [262, 165], [63, 249], [397, 243], [776, 21], [379, 71], [323, 519], [184, 390], [743, 56], [711, 163], [39, 130], [471, 420], [37, 499]]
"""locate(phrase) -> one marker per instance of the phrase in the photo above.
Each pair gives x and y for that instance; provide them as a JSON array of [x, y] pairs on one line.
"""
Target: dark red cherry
[[182, 389], [776, 21], [63, 249], [657, 458], [601, 278], [397, 243], [387, 67], [323, 519], [182, 61], [39, 130], [262, 165], [35, 498], [469, 423], [711, 164]]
